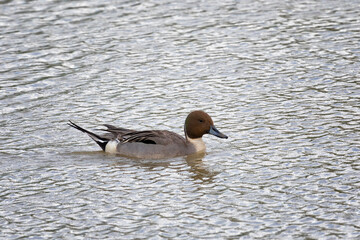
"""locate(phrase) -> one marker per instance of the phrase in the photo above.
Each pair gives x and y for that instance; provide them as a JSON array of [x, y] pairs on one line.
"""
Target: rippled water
[[281, 78]]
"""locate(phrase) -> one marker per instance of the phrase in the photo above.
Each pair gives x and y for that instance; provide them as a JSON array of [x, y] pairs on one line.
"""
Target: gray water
[[281, 78]]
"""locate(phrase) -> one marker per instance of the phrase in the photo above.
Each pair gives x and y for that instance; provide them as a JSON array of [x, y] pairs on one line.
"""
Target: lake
[[280, 78]]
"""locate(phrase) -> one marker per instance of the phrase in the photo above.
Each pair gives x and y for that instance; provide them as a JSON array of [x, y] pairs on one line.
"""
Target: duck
[[156, 144]]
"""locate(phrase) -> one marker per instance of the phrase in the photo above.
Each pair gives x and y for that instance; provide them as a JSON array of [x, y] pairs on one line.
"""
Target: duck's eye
[[200, 120]]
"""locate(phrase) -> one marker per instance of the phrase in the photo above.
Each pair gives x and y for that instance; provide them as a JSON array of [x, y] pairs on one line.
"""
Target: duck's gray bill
[[215, 132]]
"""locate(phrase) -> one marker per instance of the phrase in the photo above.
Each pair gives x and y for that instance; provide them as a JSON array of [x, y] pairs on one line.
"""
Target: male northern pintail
[[156, 144]]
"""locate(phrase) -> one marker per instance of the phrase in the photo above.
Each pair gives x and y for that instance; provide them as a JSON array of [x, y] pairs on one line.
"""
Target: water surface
[[280, 78]]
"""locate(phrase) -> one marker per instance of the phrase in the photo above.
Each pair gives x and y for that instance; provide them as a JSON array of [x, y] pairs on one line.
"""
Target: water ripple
[[280, 78]]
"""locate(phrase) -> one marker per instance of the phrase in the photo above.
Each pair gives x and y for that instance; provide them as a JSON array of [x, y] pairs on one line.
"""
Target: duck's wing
[[116, 132], [125, 135], [160, 137]]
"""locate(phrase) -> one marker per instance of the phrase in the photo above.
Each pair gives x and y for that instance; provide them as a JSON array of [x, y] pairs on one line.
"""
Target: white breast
[[198, 144]]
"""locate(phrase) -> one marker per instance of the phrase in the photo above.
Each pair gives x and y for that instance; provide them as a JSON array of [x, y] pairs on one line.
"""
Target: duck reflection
[[199, 168]]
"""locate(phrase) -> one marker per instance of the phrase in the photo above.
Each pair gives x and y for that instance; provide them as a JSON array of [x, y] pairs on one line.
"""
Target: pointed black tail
[[98, 139]]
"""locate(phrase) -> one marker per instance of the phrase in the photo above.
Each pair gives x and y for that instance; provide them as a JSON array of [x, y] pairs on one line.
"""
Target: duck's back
[[152, 144]]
